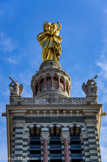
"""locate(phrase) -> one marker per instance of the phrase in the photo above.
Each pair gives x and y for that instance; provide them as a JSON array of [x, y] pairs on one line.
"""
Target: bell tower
[[51, 126], [51, 79]]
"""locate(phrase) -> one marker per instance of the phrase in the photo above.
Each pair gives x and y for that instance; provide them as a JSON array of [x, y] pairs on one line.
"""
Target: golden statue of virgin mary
[[50, 41]]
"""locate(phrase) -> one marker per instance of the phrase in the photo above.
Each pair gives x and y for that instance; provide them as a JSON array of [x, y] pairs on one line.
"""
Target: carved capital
[[45, 133], [65, 133]]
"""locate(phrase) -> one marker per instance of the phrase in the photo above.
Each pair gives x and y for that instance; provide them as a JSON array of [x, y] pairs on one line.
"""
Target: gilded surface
[[50, 41]]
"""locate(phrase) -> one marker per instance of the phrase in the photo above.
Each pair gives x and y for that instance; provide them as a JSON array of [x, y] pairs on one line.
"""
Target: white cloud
[[76, 89], [103, 66], [104, 36], [14, 60], [102, 91], [102, 62], [104, 153], [6, 43]]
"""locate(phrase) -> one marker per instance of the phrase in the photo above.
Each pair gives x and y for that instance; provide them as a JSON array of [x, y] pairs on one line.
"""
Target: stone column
[[64, 85], [52, 83], [38, 86], [45, 137], [45, 83], [68, 89], [58, 82], [65, 136]]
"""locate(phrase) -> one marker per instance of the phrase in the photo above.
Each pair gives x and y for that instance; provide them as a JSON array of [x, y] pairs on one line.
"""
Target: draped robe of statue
[[51, 47]]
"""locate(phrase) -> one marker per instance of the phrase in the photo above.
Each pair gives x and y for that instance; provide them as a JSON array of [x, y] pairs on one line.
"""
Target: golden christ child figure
[[50, 41]]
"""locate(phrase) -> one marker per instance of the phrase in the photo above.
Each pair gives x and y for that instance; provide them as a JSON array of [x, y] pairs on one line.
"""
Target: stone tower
[[51, 126]]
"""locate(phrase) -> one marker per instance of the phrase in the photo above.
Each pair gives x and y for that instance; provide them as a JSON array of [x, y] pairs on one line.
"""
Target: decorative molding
[[60, 100]]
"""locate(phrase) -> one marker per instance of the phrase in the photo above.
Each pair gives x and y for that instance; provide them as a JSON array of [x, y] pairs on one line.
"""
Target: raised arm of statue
[[54, 29], [59, 26], [91, 82], [16, 83]]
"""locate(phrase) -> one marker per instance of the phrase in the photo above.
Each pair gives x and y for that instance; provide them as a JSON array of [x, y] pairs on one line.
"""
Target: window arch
[[75, 144], [35, 143], [62, 84], [55, 143], [41, 84], [55, 79]]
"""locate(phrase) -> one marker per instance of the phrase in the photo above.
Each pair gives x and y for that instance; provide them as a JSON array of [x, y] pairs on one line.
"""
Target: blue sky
[[84, 48]]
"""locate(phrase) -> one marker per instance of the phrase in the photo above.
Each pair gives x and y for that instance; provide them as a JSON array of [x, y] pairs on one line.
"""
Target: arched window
[[55, 144], [75, 144], [41, 85], [48, 82], [55, 79], [35, 144], [36, 88], [62, 84]]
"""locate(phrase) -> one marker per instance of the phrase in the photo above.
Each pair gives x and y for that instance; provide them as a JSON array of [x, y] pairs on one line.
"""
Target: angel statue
[[90, 88], [50, 41], [15, 88]]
